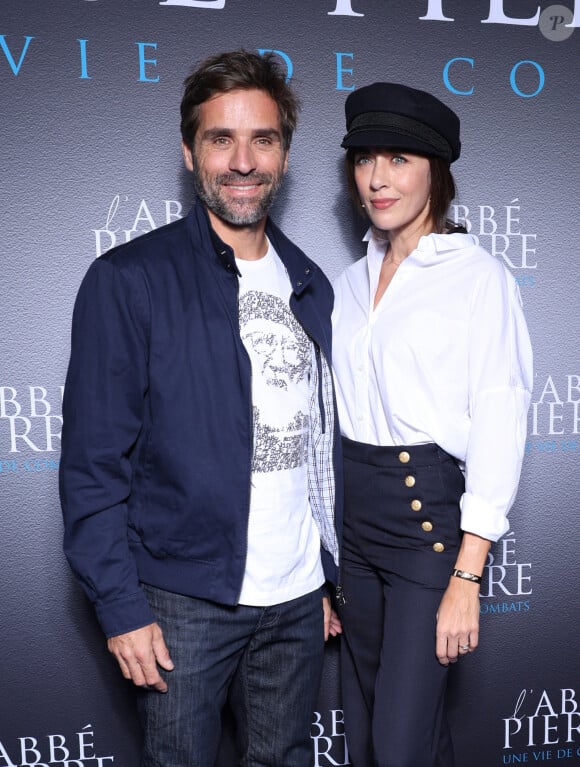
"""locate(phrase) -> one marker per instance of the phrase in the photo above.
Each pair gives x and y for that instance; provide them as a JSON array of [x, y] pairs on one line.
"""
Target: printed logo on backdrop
[[328, 739], [218, 4], [526, 77], [544, 727], [506, 585], [499, 229], [554, 419], [128, 217], [76, 751], [30, 430], [553, 16]]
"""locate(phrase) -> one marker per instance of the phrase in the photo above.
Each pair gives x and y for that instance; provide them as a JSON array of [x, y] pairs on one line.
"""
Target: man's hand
[[138, 654], [332, 624]]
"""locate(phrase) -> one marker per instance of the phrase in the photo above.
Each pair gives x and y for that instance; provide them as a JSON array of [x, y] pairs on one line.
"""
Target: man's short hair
[[238, 70]]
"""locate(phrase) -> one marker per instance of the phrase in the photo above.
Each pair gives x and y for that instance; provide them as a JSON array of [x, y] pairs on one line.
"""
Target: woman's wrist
[[466, 575]]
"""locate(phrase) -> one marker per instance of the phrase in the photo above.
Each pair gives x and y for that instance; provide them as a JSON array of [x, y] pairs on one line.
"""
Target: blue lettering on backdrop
[[287, 60], [142, 61], [84, 71], [501, 608], [447, 81], [514, 85], [15, 67], [340, 70]]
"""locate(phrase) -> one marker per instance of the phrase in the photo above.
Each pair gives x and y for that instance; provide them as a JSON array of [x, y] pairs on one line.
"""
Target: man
[[200, 454]]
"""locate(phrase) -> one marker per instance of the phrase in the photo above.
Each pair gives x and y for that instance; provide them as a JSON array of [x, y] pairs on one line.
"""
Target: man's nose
[[243, 158]]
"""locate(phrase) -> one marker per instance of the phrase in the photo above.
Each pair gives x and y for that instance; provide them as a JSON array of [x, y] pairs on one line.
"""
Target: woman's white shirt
[[445, 357]]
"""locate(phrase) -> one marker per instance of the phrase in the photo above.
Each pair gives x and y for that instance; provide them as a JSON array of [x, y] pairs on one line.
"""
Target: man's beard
[[239, 212]]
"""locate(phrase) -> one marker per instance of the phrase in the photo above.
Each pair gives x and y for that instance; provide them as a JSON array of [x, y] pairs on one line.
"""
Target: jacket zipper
[[251, 449]]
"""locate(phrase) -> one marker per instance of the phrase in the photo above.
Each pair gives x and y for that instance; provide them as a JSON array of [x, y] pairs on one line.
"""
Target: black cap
[[399, 117]]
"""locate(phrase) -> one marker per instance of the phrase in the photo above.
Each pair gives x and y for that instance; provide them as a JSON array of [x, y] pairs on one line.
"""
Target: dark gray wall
[[89, 91]]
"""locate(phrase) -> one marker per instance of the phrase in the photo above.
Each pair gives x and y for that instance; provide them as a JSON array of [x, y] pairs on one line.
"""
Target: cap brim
[[386, 140]]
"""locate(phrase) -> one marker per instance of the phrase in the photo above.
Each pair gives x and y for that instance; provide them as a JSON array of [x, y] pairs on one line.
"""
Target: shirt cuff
[[482, 518]]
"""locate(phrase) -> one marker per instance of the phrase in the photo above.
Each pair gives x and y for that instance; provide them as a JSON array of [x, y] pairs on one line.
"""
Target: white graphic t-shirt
[[283, 559]]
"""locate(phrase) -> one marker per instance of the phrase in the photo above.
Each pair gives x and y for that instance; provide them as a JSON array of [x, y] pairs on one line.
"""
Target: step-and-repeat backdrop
[[90, 157]]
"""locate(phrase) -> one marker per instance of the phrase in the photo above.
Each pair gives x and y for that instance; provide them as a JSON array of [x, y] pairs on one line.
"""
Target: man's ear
[[187, 156]]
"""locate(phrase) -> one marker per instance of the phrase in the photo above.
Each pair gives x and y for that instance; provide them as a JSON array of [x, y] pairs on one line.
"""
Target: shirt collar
[[428, 245]]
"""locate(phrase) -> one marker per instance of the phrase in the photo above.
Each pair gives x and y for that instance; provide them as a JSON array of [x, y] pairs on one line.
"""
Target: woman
[[433, 366]]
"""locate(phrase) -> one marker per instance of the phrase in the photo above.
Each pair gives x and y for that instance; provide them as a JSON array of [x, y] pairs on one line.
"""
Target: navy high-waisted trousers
[[401, 537]]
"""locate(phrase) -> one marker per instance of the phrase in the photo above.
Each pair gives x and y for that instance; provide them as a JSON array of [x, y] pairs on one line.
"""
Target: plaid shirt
[[321, 482]]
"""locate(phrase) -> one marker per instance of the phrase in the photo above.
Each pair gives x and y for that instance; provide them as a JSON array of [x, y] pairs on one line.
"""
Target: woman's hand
[[458, 615], [457, 621]]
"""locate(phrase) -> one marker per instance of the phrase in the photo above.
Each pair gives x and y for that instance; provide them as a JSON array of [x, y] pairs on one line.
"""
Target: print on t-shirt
[[280, 354]]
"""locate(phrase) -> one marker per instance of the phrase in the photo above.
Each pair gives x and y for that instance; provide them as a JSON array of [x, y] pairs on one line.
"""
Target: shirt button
[[438, 547], [416, 505], [404, 456], [410, 481], [427, 526]]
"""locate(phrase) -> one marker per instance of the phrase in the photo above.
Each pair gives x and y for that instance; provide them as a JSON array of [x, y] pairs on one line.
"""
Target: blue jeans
[[267, 661]]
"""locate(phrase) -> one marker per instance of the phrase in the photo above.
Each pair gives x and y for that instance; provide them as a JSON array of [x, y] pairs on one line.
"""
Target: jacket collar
[[299, 267]]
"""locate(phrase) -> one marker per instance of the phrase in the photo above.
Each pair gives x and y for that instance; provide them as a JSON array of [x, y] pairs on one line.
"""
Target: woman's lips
[[383, 203]]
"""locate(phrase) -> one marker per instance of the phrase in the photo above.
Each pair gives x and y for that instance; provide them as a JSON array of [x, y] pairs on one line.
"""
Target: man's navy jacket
[[158, 428]]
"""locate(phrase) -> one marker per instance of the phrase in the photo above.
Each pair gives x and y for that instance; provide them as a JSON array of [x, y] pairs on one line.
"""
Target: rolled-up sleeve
[[500, 384]]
